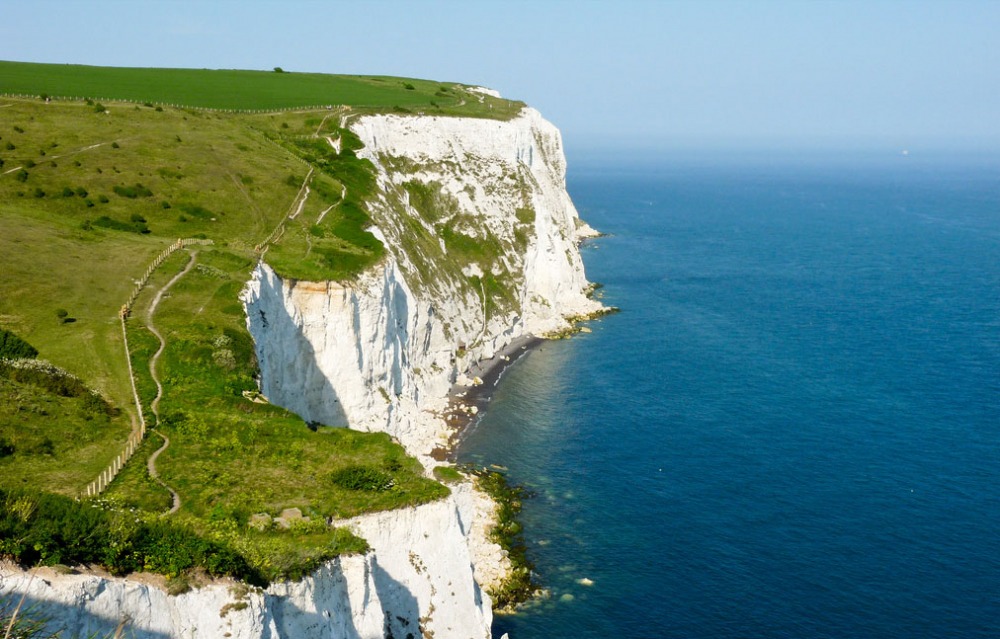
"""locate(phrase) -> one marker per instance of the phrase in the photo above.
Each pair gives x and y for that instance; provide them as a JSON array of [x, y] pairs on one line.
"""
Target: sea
[[792, 429]]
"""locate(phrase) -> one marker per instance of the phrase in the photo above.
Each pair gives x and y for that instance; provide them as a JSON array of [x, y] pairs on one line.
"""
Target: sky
[[632, 73]]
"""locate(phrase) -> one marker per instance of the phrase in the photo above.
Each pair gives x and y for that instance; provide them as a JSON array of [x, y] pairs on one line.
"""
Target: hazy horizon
[[639, 74]]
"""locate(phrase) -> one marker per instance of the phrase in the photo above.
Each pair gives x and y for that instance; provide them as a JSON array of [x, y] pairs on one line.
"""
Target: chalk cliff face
[[416, 581], [380, 353], [481, 242]]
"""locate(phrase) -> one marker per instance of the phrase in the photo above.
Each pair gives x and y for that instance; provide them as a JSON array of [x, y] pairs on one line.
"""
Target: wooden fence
[[176, 106], [98, 486]]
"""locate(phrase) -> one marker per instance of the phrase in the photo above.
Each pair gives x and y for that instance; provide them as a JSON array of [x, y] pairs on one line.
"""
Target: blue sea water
[[793, 427]]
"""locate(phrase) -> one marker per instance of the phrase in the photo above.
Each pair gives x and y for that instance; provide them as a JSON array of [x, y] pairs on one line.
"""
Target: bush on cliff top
[[42, 528]]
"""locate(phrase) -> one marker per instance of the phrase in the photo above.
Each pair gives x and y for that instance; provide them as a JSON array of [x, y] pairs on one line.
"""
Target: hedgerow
[[47, 529]]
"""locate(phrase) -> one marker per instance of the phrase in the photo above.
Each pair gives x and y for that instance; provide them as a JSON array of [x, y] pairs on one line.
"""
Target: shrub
[[13, 347], [21, 175], [132, 192], [278, 70], [99, 108], [147, 104], [41, 152], [54, 380], [103, 199], [89, 203], [363, 478], [42, 528], [30, 164], [284, 125], [525, 216], [197, 211], [61, 313], [82, 192], [158, 109], [164, 205], [76, 163], [409, 87], [67, 192], [38, 193], [134, 227], [18, 129], [87, 226], [7, 447], [291, 180], [448, 474], [135, 217], [114, 145], [89, 102], [10, 146]]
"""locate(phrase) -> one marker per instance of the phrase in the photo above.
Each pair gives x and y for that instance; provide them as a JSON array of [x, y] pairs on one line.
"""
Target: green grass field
[[246, 90]]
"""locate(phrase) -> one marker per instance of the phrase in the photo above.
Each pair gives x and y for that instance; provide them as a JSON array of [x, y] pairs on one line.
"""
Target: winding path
[[151, 466], [154, 406]]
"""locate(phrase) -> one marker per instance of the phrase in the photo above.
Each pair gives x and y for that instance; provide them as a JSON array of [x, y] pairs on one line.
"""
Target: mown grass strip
[[241, 90]]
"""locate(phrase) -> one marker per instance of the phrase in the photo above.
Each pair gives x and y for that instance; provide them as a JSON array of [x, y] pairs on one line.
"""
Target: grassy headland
[[89, 194]]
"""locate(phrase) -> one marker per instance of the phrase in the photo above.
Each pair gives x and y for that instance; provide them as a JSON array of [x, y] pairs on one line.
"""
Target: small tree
[[278, 70]]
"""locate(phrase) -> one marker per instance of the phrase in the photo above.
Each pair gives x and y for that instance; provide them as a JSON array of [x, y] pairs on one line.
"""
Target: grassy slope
[[60, 444], [244, 90], [88, 272]]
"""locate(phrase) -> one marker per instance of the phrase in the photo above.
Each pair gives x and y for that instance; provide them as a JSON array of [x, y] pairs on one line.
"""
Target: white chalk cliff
[[417, 581], [379, 354]]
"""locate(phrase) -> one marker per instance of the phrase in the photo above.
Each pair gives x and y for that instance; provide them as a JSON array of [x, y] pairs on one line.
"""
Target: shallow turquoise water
[[793, 429]]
